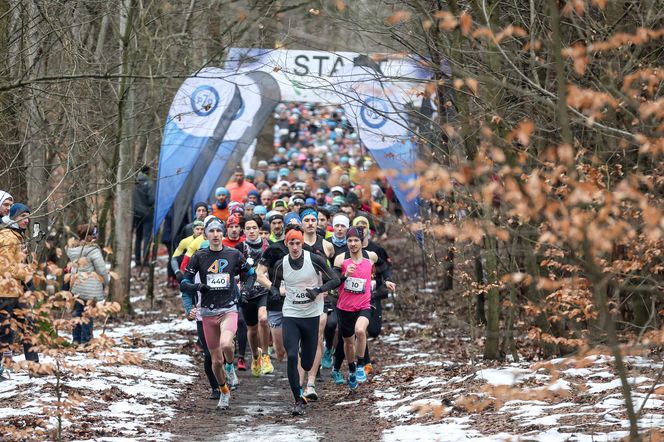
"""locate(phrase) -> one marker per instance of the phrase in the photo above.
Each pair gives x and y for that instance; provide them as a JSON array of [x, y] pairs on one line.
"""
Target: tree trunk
[[492, 344], [123, 207]]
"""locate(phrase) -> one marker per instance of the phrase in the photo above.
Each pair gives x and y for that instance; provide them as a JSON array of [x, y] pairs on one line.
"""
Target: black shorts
[[250, 309], [347, 321]]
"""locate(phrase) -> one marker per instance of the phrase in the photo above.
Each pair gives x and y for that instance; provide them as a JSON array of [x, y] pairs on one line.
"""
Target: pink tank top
[[355, 291]]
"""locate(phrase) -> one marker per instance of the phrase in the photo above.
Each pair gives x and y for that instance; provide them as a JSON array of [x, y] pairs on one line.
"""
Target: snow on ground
[[119, 400], [438, 401]]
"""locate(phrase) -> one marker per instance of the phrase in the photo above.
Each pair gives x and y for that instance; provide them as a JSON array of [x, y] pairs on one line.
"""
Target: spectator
[[13, 253], [143, 213], [88, 278]]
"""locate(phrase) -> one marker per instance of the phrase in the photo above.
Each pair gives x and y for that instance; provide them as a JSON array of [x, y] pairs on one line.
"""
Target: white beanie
[[340, 219], [5, 196]]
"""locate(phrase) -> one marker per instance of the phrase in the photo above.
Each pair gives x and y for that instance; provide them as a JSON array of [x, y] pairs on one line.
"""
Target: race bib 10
[[355, 285]]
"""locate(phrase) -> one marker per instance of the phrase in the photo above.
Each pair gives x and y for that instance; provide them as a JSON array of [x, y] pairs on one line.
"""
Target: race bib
[[219, 281], [301, 298], [355, 285]]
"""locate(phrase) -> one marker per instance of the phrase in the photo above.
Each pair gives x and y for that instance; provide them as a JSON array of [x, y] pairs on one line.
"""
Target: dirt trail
[[260, 410]]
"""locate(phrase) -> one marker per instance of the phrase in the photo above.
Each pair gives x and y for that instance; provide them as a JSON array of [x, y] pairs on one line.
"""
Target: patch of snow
[[271, 433], [502, 376], [347, 403]]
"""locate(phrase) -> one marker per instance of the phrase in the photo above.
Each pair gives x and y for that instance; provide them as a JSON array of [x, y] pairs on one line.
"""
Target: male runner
[[254, 302], [340, 223], [265, 272], [217, 267], [315, 244], [301, 272], [354, 303]]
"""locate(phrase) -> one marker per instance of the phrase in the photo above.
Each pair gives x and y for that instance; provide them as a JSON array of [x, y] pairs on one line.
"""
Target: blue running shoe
[[337, 377], [326, 362], [352, 381], [361, 375]]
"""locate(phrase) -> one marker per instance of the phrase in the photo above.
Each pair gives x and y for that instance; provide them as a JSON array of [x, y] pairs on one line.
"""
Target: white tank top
[[296, 304]]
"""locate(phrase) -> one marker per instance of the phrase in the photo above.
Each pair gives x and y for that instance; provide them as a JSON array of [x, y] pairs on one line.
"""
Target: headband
[[197, 223], [308, 211], [294, 234], [5, 196], [340, 219]]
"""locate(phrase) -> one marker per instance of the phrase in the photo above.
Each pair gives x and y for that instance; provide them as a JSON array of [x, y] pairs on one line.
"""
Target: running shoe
[[266, 365], [224, 401], [361, 375], [256, 367], [310, 393], [215, 395], [352, 381], [326, 362], [241, 364], [368, 368], [298, 408], [337, 377], [231, 376]]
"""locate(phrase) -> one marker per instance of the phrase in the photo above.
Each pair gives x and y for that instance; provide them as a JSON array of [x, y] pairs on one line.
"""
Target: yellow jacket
[[12, 256]]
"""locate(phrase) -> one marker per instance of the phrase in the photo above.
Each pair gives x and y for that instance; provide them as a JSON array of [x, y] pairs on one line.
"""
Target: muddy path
[[260, 409]]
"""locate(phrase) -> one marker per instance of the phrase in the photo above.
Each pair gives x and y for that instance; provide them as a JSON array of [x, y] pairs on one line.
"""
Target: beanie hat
[[338, 200], [340, 219], [5, 196], [236, 209], [356, 232], [260, 210], [292, 216], [214, 223], [200, 204], [17, 209], [197, 223], [294, 234], [222, 191], [265, 227], [255, 193], [234, 219], [359, 219], [272, 215]]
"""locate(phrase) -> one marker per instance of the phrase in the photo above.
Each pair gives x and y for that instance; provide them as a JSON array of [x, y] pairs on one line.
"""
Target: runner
[[340, 223], [301, 272], [382, 274], [220, 207], [192, 308], [265, 273], [217, 266], [315, 244], [354, 303], [254, 302]]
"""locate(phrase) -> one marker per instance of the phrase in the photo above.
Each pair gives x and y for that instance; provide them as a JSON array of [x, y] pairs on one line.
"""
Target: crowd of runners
[[285, 260]]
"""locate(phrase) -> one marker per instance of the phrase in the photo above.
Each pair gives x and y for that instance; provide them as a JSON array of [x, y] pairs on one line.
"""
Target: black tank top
[[316, 248]]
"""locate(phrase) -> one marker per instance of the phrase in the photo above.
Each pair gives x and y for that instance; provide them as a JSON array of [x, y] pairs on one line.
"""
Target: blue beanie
[[260, 210], [222, 191], [17, 209], [292, 216]]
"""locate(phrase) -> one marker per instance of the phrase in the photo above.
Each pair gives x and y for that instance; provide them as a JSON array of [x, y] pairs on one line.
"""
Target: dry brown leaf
[[341, 5], [398, 17], [466, 22]]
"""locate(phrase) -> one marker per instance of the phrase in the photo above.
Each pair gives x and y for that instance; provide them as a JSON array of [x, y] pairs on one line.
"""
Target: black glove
[[179, 276], [312, 293], [381, 292], [203, 288], [275, 294], [244, 297]]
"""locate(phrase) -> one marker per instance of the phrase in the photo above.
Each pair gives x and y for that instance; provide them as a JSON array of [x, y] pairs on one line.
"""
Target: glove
[[244, 297], [179, 276], [203, 288], [381, 292], [275, 294], [312, 293]]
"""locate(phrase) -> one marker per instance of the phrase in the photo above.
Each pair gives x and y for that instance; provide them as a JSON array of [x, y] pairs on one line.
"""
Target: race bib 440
[[219, 281]]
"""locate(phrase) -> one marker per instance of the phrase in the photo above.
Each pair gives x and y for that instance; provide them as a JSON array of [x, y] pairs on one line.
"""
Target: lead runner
[[217, 266]]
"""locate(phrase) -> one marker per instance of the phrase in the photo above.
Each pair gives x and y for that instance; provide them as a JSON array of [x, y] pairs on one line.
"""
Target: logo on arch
[[373, 112], [240, 111], [204, 100]]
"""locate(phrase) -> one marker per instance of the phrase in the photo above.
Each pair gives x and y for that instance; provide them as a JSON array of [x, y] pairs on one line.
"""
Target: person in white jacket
[[88, 278]]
